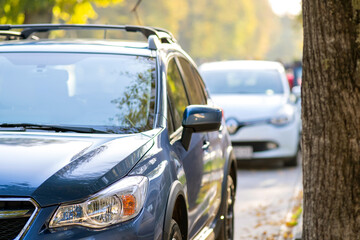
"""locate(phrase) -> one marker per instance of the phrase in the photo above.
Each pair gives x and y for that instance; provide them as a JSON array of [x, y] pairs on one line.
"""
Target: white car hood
[[249, 107]]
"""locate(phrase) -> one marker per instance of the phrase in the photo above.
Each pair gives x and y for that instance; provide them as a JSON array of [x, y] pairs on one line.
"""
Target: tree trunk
[[42, 15], [331, 119]]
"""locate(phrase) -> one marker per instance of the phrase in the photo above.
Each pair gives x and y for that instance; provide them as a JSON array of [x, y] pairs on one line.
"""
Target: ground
[[268, 202]]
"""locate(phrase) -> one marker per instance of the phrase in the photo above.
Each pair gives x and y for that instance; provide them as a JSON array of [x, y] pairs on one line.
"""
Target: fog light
[[271, 145]]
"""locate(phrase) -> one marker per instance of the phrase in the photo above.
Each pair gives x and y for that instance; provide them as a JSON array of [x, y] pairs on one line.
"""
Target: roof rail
[[10, 35], [165, 34], [28, 29], [13, 35]]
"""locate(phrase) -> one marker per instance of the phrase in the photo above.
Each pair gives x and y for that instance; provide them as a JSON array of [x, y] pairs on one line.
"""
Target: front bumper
[[265, 141]]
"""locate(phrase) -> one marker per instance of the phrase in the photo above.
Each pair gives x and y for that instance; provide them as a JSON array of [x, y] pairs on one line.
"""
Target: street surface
[[265, 199]]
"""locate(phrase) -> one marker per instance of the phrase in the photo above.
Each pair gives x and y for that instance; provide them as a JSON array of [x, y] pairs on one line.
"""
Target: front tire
[[175, 233], [293, 162], [227, 229]]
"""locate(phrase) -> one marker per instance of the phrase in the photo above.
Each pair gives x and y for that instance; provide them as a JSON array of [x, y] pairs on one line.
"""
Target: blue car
[[105, 138]]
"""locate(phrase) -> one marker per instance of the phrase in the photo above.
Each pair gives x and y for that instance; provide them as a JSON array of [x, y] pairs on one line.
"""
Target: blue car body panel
[[67, 168]]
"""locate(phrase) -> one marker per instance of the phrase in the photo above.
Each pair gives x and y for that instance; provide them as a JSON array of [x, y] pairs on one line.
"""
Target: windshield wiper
[[57, 128]]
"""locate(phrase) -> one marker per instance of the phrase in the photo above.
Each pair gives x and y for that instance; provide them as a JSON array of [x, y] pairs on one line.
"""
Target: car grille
[[15, 216], [257, 146]]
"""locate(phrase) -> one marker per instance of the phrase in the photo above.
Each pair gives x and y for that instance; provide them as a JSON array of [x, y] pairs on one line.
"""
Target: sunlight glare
[[282, 7]]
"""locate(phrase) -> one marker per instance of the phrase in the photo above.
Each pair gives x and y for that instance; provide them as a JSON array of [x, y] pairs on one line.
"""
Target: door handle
[[206, 145], [221, 128]]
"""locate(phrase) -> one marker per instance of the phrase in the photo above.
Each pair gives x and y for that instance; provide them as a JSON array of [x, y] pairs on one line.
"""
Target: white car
[[259, 109]]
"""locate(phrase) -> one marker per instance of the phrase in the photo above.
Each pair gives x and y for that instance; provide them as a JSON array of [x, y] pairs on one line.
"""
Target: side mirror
[[199, 118], [296, 91]]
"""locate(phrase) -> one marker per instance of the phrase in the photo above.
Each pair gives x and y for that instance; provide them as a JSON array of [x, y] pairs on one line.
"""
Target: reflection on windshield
[[110, 92], [136, 100], [255, 81]]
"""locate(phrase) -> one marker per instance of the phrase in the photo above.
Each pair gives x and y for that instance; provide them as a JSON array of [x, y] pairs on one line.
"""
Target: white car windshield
[[255, 81], [114, 93]]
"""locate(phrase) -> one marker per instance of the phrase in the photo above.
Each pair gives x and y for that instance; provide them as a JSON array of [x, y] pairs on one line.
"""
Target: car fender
[[176, 190]]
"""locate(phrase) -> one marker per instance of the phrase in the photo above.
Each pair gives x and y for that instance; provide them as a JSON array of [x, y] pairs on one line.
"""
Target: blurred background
[[207, 29]]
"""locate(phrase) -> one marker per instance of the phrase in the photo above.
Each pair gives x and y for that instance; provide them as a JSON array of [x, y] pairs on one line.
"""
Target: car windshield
[[108, 92], [254, 81]]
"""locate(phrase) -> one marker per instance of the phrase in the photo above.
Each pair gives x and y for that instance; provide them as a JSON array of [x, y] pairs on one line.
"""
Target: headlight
[[232, 125], [284, 116], [117, 203]]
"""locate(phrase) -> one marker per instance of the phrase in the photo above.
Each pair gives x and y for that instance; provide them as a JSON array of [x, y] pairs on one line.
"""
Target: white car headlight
[[117, 203], [232, 125], [284, 116]]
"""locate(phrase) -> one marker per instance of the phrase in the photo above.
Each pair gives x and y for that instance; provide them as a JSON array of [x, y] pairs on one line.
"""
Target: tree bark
[[331, 119]]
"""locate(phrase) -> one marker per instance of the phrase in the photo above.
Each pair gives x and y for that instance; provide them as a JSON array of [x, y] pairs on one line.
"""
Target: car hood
[[66, 167], [249, 107]]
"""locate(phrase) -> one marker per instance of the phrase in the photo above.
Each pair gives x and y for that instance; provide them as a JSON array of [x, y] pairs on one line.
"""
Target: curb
[[293, 232], [297, 231]]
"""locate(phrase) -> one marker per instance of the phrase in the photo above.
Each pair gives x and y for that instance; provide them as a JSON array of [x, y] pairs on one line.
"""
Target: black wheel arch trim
[[176, 190]]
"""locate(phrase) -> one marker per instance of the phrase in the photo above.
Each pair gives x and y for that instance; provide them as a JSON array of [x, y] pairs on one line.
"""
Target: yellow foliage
[[56, 11], [78, 11], [3, 20], [7, 8], [106, 3], [82, 12]]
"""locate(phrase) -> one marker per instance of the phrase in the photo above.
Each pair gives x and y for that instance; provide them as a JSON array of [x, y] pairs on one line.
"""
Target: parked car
[[109, 139], [260, 113]]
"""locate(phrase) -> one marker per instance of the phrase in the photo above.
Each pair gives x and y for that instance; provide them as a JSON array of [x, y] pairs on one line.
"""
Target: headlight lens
[[284, 116], [117, 203], [232, 125]]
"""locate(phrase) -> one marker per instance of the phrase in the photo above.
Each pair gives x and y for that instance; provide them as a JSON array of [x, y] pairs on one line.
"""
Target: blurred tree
[[40, 11], [267, 29], [164, 13], [331, 119], [207, 29], [287, 42], [218, 29]]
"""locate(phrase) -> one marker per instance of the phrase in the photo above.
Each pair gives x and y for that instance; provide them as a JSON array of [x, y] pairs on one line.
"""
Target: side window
[[193, 86], [176, 93], [201, 82]]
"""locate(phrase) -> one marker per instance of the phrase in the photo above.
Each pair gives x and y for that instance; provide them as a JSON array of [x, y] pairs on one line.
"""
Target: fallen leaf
[[291, 223]]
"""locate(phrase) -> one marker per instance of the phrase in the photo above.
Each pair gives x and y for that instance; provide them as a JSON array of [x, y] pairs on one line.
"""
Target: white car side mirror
[[296, 91]]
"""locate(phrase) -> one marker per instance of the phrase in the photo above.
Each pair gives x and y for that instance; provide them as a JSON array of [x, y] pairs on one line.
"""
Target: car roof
[[241, 64], [78, 46]]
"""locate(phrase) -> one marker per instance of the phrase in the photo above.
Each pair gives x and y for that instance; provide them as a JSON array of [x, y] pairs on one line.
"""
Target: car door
[[195, 161], [197, 93], [218, 146]]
